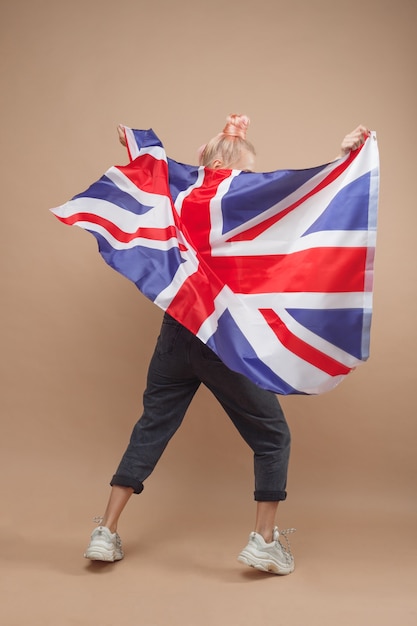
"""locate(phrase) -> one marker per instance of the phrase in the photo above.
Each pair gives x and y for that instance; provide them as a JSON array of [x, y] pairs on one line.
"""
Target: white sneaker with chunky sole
[[269, 557], [104, 546]]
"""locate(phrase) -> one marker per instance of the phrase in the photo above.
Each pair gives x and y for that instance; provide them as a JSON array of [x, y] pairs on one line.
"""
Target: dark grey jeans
[[180, 363]]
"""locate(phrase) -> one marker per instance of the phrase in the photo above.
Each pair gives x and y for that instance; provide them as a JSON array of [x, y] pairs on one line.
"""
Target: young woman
[[180, 364]]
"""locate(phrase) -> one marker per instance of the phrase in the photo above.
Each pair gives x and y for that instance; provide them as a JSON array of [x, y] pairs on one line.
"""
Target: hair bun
[[236, 125]]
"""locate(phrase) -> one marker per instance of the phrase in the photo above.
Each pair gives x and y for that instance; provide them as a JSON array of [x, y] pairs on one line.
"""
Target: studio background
[[77, 337]]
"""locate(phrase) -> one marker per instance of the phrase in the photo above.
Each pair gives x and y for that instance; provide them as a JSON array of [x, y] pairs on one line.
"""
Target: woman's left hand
[[121, 134]]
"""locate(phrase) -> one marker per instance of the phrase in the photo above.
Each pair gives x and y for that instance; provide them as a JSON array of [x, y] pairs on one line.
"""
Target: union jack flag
[[273, 271]]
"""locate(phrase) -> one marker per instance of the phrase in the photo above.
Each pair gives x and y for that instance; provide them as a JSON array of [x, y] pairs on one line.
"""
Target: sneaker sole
[[98, 554], [264, 565]]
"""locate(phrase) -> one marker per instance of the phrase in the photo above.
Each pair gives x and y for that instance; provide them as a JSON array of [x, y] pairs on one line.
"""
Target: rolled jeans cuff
[[270, 496], [126, 481]]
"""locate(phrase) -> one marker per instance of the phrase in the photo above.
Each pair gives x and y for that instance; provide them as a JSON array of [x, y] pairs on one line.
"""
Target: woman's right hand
[[354, 139]]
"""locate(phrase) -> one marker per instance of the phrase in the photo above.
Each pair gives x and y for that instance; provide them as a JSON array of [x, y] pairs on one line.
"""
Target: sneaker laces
[[287, 548]]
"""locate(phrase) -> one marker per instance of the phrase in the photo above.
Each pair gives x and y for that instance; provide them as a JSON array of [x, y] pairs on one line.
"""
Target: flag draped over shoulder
[[273, 271]]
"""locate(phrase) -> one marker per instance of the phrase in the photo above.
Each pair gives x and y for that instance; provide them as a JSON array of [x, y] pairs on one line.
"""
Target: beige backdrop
[[77, 337]]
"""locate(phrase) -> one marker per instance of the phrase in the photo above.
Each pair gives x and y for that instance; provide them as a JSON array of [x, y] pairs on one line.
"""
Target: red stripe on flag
[[148, 174], [194, 301], [331, 270], [302, 349], [158, 234]]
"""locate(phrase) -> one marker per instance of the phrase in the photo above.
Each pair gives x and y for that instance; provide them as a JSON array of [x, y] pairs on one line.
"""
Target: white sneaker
[[268, 557], [104, 546]]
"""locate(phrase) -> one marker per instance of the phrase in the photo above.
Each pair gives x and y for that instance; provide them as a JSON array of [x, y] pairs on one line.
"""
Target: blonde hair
[[228, 145]]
